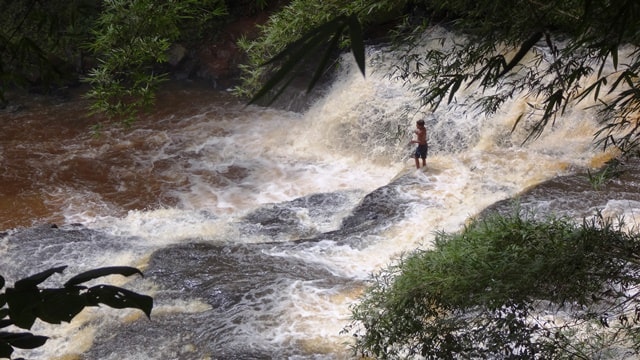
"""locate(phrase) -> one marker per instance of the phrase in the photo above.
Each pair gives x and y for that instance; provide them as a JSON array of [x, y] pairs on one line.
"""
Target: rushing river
[[257, 228]]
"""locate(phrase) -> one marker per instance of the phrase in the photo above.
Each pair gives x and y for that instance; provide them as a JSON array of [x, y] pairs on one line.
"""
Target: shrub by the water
[[508, 287]]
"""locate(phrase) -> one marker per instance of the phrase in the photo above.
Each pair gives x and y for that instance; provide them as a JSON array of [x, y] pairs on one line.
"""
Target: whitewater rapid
[[257, 228]]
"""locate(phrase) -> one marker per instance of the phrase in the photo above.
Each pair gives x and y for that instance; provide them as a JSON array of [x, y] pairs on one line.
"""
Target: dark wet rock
[[293, 219], [238, 282], [575, 195], [224, 276], [274, 221], [379, 208], [56, 246], [176, 54]]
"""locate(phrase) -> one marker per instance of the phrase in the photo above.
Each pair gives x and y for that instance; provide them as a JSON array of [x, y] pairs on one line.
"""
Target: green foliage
[[39, 41], [306, 47], [507, 287], [131, 37], [557, 52], [612, 169], [53, 43], [301, 17], [22, 304]]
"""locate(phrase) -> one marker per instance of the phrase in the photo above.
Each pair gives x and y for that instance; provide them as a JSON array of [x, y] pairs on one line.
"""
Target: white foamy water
[[223, 176]]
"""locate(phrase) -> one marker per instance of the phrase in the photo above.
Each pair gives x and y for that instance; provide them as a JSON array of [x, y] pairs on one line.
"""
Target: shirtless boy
[[421, 150]]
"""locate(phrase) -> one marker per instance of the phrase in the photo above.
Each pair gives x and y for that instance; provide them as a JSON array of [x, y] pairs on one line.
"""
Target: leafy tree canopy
[[558, 52], [323, 23], [130, 39], [117, 46]]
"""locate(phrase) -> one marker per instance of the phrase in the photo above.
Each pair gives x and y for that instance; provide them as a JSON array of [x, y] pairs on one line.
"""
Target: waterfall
[[256, 228]]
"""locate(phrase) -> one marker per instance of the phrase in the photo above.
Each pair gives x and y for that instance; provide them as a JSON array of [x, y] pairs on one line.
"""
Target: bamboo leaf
[[23, 305], [326, 34], [119, 298], [23, 340], [60, 305], [524, 49], [5, 322], [280, 90], [553, 103], [593, 88], [100, 272], [5, 349], [295, 58], [614, 56], [313, 36], [624, 77], [517, 122], [456, 85], [35, 280], [333, 45], [272, 82], [357, 42]]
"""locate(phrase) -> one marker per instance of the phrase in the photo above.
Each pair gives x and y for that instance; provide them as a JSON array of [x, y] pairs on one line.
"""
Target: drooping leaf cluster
[[22, 304], [327, 25], [507, 287], [307, 48], [555, 52]]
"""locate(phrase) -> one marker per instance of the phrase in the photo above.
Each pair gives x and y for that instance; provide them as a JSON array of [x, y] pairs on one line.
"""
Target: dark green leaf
[[333, 45], [517, 122], [324, 35], [313, 36], [4, 313], [100, 272], [60, 305], [119, 298], [5, 322], [614, 56], [281, 90], [23, 306], [625, 77], [524, 49], [595, 88], [357, 42], [23, 340], [456, 85], [35, 280], [5, 349], [295, 59]]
